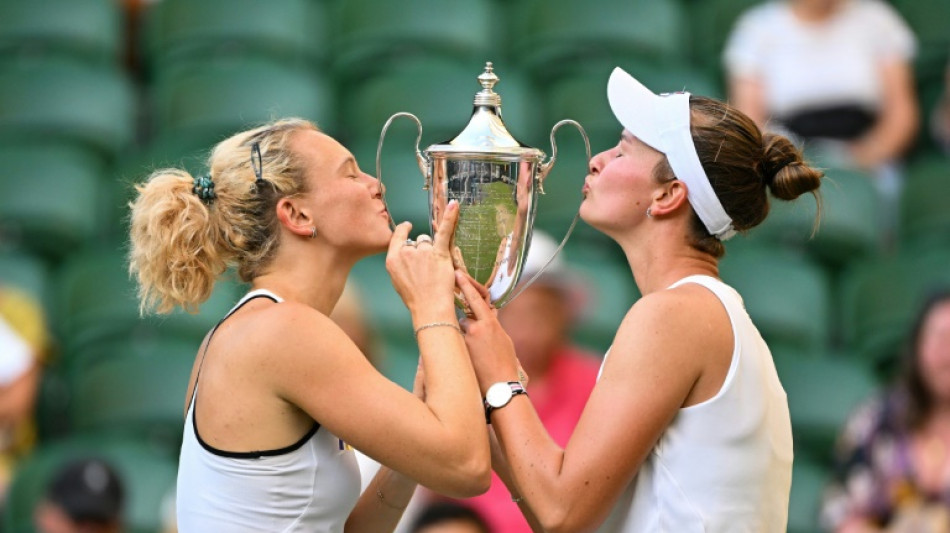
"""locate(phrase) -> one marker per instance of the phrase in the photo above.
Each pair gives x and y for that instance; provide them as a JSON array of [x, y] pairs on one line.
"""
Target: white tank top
[[311, 485], [724, 464]]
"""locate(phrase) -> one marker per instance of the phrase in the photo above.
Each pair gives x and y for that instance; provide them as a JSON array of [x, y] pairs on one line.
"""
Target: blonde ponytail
[[183, 237], [175, 248]]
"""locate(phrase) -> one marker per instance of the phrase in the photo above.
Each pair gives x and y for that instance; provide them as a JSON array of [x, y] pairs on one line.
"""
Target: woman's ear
[[294, 217], [669, 197]]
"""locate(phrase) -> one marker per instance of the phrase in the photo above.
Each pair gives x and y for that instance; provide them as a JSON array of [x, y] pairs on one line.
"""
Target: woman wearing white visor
[[687, 428]]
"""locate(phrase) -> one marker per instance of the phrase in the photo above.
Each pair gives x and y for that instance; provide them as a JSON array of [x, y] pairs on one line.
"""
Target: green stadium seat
[[850, 226], [87, 30], [558, 36], [928, 20], [710, 24], [786, 294], [288, 31], [132, 386], [823, 390], [808, 483], [52, 100], [180, 150], [97, 301], [924, 214], [26, 272], [218, 98], [148, 477], [372, 35], [879, 300], [50, 196]]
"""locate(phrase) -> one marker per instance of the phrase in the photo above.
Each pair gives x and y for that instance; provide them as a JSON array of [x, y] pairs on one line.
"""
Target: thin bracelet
[[437, 325], [382, 499]]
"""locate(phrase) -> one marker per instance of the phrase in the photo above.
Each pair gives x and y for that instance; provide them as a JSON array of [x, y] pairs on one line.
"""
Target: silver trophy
[[496, 181]]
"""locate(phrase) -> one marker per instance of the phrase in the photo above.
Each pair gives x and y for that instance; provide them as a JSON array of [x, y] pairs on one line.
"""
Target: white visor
[[662, 122]]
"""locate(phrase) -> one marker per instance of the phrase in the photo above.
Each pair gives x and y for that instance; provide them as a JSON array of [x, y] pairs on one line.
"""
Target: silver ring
[[409, 242], [423, 238]]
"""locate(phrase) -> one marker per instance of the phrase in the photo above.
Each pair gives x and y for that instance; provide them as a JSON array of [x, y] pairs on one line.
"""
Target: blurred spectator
[[941, 119], [446, 517], [85, 496], [23, 342], [560, 375], [834, 73], [894, 453]]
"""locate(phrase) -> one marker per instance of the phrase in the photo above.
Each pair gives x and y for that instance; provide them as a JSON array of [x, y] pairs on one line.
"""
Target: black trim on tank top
[[194, 405], [256, 454]]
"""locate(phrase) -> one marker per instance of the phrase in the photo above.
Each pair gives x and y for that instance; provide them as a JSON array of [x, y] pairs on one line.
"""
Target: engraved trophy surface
[[496, 180]]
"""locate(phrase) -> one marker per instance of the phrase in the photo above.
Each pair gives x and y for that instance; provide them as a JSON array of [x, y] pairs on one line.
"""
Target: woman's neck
[[665, 259], [815, 11], [316, 280]]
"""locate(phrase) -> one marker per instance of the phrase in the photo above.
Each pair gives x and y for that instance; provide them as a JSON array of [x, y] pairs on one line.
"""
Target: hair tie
[[204, 188]]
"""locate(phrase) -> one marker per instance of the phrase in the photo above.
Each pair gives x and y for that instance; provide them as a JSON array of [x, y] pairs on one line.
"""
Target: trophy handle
[[542, 174], [421, 160], [549, 164]]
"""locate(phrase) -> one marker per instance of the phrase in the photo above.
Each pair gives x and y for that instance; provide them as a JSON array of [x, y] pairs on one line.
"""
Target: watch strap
[[516, 389]]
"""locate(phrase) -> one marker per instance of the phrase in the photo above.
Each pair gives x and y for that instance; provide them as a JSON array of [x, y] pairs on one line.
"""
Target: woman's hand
[[421, 271], [490, 348]]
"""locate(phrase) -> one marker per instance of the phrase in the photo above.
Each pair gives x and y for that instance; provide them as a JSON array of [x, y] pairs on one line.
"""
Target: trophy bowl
[[496, 180]]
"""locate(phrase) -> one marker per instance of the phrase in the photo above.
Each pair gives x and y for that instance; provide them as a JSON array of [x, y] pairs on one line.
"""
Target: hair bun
[[784, 171]]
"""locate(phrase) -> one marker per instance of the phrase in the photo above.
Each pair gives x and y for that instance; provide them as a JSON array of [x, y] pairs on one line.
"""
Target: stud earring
[[313, 232]]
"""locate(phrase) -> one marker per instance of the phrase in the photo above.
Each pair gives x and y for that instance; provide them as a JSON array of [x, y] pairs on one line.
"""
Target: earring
[[313, 232], [649, 213]]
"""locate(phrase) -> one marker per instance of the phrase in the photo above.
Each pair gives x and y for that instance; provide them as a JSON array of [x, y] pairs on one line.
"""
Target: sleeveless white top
[[724, 464], [311, 485]]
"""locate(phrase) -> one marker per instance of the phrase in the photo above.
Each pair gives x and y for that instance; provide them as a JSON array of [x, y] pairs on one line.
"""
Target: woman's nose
[[376, 187], [598, 161]]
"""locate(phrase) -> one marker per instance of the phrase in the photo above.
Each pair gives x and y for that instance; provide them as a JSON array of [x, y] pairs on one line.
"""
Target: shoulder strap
[[240, 304]]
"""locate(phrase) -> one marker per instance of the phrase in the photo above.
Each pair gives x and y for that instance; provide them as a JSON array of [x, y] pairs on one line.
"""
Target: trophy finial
[[488, 79]]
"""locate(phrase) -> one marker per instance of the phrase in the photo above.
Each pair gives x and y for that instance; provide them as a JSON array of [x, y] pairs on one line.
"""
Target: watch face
[[498, 395]]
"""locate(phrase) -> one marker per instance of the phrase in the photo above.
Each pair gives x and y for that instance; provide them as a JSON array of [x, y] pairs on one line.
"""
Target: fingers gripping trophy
[[496, 180]]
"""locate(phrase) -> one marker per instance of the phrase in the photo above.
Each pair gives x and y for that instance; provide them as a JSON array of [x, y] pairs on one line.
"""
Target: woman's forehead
[[322, 150]]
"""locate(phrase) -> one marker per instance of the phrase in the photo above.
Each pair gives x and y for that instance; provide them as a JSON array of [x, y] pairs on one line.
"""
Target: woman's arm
[[637, 396], [381, 506], [440, 442], [897, 125], [747, 95]]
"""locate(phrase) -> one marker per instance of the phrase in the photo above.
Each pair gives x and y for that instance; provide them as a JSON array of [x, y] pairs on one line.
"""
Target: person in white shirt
[[279, 396], [828, 70], [837, 77], [687, 429]]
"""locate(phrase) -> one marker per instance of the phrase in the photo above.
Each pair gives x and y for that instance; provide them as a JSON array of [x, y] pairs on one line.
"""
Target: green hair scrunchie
[[204, 188]]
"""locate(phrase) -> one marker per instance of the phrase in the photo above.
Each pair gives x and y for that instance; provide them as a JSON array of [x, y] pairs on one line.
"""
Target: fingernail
[[453, 204]]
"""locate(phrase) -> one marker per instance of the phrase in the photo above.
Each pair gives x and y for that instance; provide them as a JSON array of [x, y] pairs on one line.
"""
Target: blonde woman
[[279, 393]]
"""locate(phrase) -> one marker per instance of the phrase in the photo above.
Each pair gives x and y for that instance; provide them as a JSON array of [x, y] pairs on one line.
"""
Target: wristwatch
[[499, 394]]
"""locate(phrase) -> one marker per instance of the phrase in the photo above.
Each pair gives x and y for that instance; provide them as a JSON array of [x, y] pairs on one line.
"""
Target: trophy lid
[[486, 133]]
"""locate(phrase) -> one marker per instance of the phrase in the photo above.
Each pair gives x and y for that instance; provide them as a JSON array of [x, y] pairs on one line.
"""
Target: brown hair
[[920, 399], [180, 244], [741, 163]]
